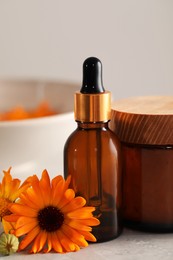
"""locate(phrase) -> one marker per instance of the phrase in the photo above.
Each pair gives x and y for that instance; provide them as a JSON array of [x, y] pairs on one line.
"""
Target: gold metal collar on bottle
[[92, 107]]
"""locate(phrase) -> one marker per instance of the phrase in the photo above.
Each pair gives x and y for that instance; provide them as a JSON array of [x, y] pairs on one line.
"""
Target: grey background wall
[[49, 39]]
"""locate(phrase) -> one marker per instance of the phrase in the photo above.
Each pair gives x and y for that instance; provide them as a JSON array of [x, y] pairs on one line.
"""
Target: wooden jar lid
[[144, 120]]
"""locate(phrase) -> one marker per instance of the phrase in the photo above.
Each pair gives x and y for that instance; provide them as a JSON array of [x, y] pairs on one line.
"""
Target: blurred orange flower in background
[[19, 112]]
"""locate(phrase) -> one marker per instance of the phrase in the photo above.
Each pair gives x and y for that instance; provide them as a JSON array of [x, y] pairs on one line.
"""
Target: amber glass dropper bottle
[[92, 153]]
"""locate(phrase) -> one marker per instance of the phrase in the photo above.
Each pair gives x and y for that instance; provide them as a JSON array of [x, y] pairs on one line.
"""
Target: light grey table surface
[[131, 245]]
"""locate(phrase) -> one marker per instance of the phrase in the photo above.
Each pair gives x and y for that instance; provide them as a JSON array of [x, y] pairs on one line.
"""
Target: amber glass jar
[[145, 128]]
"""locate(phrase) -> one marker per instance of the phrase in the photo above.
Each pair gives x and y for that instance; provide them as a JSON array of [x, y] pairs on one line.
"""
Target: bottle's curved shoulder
[[111, 135]]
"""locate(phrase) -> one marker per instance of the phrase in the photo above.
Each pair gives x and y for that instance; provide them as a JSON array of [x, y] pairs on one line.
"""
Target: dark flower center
[[50, 218]]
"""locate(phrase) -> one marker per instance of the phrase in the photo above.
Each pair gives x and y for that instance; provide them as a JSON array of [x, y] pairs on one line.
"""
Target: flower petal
[[65, 241], [34, 198], [26, 201], [13, 196], [19, 209], [25, 221], [29, 238], [82, 213], [10, 187], [88, 236], [25, 229], [39, 242], [56, 243], [7, 226], [6, 183], [76, 203], [89, 222], [77, 225], [14, 187], [1, 190], [11, 218], [77, 248], [43, 240], [74, 235], [57, 192], [45, 178], [45, 187], [49, 243], [59, 189], [38, 193], [67, 182], [67, 197], [55, 180]]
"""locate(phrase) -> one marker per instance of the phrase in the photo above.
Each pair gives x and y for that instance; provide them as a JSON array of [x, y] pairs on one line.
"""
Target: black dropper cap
[[92, 103], [92, 76]]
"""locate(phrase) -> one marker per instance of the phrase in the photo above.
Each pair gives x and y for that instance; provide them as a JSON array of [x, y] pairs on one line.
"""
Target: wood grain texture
[[144, 120]]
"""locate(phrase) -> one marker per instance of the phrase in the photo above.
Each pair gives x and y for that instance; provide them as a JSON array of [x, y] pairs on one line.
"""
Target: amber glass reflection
[[148, 187], [92, 158]]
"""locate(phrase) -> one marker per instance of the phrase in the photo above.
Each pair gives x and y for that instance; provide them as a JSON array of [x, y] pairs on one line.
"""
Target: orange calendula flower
[[10, 190], [49, 216]]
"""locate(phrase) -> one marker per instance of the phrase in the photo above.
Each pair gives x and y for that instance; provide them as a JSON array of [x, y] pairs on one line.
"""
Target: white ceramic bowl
[[31, 145]]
